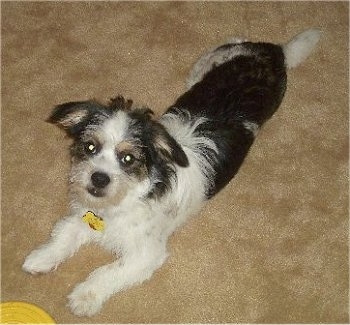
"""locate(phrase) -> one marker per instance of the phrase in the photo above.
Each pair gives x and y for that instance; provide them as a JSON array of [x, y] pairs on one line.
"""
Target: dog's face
[[115, 149]]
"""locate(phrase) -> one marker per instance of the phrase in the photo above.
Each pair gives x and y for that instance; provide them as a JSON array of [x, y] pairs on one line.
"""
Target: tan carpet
[[271, 247]]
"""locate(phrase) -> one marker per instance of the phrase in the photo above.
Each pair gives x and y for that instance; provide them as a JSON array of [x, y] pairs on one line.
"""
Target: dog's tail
[[300, 47]]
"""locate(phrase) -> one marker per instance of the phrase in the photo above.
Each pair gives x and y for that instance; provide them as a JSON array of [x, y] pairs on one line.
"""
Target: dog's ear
[[167, 147], [163, 150], [75, 116]]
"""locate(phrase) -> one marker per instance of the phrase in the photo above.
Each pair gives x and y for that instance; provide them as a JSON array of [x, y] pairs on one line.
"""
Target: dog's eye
[[127, 159], [90, 148]]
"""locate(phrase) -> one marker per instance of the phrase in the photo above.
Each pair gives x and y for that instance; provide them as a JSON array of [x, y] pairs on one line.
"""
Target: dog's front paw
[[85, 300], [39, 261]]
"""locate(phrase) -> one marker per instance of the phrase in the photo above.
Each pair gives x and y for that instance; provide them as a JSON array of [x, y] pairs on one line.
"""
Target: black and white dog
[[135, 179]]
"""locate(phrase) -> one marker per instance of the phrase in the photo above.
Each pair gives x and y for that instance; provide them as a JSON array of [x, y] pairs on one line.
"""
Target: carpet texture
[[271, 247]]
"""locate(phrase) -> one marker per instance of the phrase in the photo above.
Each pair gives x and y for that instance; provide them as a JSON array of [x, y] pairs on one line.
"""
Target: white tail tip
[[300, 47]]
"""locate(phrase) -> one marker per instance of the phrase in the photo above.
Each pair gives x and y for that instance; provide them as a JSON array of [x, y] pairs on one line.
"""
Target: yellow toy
[[23, 313], [95, 222]]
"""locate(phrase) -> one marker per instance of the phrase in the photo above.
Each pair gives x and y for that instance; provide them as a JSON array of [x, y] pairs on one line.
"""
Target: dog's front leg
[[66, 238], [133, 268]]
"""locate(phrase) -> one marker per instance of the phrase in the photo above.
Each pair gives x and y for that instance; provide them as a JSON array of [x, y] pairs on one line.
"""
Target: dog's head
[[116, 148]]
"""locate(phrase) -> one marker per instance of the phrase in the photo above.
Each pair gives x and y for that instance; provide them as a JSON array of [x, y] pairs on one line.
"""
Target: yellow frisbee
[[23, 313]]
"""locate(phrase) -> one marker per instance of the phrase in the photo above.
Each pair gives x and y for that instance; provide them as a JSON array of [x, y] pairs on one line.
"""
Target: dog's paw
[[85, 300], [39, 261]]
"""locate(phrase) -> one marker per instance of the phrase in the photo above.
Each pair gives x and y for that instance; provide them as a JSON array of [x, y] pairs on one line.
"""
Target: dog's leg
[[66, 238], [133, 268]]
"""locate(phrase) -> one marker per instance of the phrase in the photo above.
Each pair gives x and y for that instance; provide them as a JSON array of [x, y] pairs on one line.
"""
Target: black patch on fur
[[247, 88], [160, 160]]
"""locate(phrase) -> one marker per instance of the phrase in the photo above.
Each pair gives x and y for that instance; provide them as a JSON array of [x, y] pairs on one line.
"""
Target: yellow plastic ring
[[16, 312]]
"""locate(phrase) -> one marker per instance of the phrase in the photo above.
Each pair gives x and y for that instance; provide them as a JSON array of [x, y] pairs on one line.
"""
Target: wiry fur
[[146, 177]]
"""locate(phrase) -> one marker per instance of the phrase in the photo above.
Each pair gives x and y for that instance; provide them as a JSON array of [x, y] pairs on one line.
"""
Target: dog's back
[[249, 86], [237, 87]]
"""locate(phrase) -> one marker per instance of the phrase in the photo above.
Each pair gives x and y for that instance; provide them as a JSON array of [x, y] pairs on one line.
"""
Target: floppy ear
[[75, 116], [168, 148], [164, 151]]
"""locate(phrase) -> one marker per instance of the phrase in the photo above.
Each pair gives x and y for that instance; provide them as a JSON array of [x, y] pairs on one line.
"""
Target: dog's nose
[[100, 179]]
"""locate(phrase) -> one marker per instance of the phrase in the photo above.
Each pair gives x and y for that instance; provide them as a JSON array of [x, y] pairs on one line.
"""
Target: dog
[[135, 179]]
